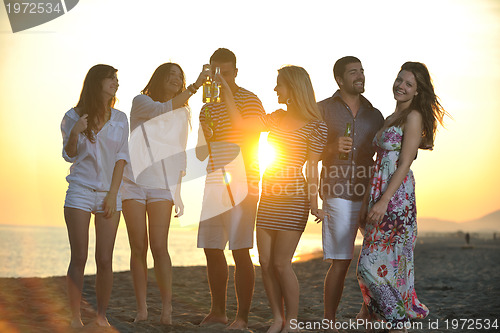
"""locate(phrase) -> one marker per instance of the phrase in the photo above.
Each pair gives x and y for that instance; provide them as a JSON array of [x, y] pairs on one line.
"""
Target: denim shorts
[[87, 199]]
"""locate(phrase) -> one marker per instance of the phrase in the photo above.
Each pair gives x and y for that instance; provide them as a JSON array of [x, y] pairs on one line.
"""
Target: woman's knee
[[139, 250], [104, 261], [282, 266], [79, 259], [266, 264], [159, 250]]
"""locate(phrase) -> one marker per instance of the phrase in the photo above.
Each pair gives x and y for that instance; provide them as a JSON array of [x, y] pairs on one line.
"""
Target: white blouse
[[93, 164], [158, 138]]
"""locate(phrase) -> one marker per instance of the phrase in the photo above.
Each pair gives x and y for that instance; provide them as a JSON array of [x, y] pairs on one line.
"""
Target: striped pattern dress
[[249, 105], [284, 203]]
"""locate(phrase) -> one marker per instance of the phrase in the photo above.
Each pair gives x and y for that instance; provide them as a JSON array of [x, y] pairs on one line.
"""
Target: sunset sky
[[42, 71]]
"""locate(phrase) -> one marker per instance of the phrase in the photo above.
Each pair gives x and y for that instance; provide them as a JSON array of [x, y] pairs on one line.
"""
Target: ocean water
[[44, 251]]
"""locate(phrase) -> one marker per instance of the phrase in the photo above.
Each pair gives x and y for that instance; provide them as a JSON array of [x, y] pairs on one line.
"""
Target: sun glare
[[266, 153]]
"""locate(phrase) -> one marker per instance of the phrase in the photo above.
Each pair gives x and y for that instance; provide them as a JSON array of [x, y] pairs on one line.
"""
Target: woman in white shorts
[[95, 137], [147, 191]]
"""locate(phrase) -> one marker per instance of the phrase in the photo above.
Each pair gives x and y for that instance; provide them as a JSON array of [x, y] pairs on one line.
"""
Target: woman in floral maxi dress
[[385, 268]]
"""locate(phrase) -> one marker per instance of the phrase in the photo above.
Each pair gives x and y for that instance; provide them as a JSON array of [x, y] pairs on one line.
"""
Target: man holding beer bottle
[[347, 160], [236, 225]]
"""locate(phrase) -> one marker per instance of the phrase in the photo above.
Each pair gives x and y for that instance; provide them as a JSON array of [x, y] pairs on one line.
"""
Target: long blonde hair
[[301, 91]]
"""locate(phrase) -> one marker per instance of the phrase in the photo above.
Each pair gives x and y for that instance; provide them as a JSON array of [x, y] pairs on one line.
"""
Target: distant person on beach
[[347, 162], [95, 142], [298, 136], [149, 192], [467, 238], [236, 225], [385, 268]]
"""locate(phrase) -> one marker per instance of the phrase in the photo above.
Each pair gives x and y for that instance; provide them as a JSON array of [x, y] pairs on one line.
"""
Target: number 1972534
[[471, 324], [33, 8]]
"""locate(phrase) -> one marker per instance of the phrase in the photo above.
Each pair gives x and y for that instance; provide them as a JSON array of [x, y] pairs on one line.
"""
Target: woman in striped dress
[[298, 135]]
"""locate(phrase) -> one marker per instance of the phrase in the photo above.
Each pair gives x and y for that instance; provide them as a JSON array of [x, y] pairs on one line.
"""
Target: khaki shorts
[[235, 225]]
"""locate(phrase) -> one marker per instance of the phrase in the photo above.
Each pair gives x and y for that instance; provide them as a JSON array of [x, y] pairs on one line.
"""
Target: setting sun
[[266, 153]]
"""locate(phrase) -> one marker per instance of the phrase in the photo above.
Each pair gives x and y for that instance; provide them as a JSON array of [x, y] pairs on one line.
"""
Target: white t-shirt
[[93, 164]]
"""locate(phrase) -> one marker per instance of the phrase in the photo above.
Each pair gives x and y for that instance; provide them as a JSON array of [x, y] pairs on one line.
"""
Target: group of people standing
[[358, 193]]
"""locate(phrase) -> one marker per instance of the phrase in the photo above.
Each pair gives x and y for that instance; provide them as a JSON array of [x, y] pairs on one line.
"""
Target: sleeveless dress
[[385, 268], [284, 202]]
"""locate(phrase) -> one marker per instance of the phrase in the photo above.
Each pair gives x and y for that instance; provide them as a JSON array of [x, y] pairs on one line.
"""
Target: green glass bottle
[[210, 122], [347, 133]]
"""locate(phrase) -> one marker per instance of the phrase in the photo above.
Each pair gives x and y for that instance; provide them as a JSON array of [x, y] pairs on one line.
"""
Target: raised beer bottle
[[207, 87], [216, 87], [347, 133]]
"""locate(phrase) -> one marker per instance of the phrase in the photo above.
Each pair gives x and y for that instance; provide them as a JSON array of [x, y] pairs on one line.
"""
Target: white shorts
[[131, 191], [340, 227], [235, 225], [87, 199]]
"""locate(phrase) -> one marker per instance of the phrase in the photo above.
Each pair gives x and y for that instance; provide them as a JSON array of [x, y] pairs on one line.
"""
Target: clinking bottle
[[211, 88], [347, 133], [207, 87], [216, 87]]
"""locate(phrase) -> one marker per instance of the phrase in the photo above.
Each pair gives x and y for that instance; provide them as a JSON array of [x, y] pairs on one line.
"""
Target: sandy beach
[[457, 283]]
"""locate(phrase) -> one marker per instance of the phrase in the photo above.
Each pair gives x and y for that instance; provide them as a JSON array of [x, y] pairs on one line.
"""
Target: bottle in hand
[[216, 87], [207, 87], [347, 133]]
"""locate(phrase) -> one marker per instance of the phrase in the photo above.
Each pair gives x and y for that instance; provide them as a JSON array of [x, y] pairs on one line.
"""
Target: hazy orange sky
[[42, 70]]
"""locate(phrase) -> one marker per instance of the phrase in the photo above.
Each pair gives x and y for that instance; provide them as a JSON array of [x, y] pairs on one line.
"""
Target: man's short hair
[[223, 55], [341, 64]]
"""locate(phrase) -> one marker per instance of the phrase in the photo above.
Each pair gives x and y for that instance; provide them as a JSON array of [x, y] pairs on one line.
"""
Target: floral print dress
[[385, 268]]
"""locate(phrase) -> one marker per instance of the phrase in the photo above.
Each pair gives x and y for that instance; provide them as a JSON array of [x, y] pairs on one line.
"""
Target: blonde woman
[[298, 135]]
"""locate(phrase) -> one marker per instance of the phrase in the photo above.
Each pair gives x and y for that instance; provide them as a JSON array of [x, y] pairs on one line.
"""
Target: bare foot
[[288, 329], [76, 323], [141, 316], [238, 324], [276, 326], [102, 321], [166, 315], [214, 319], [364, 313]]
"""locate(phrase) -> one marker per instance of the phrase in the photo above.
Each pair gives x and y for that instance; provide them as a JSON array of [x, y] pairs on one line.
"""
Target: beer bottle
[[347, 133], [207, 87], [216, 87], [210, 122]]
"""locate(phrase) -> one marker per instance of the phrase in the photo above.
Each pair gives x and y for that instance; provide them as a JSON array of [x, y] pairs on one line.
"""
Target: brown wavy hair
[[425, 102], [154, 88], [91, 102]]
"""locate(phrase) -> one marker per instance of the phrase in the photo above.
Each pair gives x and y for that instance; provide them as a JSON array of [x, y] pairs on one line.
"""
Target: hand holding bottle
[[203, 75], [345, 143]]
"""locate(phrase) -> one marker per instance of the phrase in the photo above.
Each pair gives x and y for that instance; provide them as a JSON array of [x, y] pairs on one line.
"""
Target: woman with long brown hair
[[95, 142], [162, 101], [385, 268]]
